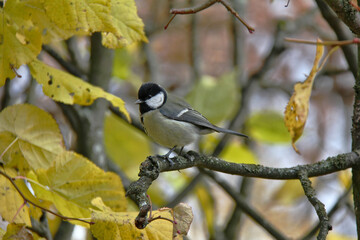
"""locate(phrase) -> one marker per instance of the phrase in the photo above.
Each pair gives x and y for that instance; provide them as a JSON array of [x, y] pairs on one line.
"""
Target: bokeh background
[[238, 80]]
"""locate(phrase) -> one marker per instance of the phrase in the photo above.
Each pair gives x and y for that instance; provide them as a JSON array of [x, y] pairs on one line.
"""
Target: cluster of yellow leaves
[[298, 107], [71, 183], [26, 25]]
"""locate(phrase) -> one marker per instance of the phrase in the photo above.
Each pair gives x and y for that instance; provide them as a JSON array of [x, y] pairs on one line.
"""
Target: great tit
[[170, 121]]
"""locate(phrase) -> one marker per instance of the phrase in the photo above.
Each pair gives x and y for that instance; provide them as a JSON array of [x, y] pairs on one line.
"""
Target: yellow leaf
[[298, 107], [19, 42], [337, 236], [17, 231], [66, 88], [2, 233], [121, 225], [207, 204], [268, 126], [33, 11], [183, 216], [26, 25], [84, 15], [34, 135], [126, 145], [345, 178], [127, 22], [11, 201], [290, 192], [73, 181]]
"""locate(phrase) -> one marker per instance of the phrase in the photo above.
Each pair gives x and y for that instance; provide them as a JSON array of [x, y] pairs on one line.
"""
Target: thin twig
[[192, 10], [326, 43], [342, 33], [36, 205], [319, 207], [333, 210], [230, 9]]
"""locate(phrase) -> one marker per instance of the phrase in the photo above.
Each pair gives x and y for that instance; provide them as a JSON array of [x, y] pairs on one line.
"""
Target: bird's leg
[[167, 156], [182, 148]]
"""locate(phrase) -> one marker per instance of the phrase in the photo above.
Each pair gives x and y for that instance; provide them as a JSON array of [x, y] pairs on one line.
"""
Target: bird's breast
[[168, 132]]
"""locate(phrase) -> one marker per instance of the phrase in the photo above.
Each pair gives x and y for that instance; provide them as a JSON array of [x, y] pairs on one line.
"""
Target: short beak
[[138, 101]]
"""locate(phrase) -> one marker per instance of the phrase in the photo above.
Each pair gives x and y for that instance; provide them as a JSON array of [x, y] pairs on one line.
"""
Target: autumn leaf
[[125, 19], [17, 231], [66, 88], [12, 208], [30, 137], [183, 217], [206, 202], [19, 42], [296, 112], [73, 181], [121, 225], [122, 144], [27, 25]]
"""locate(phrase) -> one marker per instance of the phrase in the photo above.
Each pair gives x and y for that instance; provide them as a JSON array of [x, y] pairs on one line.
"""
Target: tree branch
[[154, 165], [333, 210], [319, 206], [243, 204], [205, 5], [341, 33], [347, 13]]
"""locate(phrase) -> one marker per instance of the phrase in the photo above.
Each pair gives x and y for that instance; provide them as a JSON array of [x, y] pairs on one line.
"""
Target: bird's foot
[[167, 156]]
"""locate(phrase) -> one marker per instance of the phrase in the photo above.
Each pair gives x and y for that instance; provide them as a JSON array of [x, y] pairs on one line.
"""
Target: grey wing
[[182, 111]]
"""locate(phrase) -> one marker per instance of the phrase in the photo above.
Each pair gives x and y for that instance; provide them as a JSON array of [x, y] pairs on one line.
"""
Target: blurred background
[[237, 80]]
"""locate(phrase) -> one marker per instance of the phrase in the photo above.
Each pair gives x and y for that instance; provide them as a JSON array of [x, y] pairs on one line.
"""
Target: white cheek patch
[[156, 101]]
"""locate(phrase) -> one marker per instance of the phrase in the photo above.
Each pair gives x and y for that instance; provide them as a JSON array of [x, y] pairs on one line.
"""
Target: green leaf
[[238, 153], [32, 135], [122, 63], [73, 181], [216, 99], [126, 145], [66, 88], [268, 127]]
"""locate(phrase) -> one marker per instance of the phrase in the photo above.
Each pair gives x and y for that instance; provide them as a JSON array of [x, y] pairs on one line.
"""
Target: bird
[[170, 121]]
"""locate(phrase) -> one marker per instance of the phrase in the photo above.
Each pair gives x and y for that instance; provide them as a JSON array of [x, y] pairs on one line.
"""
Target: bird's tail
[[228, 131]]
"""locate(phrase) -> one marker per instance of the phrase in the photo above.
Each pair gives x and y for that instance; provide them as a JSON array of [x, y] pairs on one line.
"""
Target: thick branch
[[318, 205], [347, 13], [341, 34], [154, 165]]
